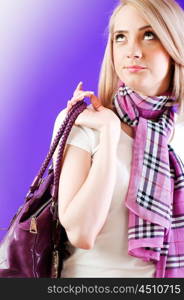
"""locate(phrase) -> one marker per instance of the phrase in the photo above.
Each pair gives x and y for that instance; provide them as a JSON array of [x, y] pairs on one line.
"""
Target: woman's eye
[[150, 35], [119, 36]]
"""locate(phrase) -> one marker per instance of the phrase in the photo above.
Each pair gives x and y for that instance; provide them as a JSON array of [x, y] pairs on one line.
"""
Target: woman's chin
[[134, 86]]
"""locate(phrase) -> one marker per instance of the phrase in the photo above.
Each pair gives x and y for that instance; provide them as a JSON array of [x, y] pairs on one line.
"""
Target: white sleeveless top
[[109, 256]]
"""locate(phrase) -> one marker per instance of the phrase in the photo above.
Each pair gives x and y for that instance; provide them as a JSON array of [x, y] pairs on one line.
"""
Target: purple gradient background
[[46, 48]]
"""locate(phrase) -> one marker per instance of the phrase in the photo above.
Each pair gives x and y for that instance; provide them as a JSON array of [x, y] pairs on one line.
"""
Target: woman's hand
[[94, 116], [79, 95]]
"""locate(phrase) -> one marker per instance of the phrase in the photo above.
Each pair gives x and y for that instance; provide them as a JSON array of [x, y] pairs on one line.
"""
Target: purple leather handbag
[[34, 245]]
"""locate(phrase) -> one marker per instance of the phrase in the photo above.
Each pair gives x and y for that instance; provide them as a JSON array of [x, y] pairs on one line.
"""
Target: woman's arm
[[85, 191]]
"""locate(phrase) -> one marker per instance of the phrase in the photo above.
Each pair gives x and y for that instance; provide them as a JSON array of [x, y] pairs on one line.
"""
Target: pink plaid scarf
[[155, 196]]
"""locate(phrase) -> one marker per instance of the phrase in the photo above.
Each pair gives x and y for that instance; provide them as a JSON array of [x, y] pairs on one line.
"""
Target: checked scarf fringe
[[155, 196]]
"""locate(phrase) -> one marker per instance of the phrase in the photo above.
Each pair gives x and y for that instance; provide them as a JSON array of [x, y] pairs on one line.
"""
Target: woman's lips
[[135, 68]]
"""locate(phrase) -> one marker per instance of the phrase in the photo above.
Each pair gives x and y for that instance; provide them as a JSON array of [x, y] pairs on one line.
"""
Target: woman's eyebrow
[[126, 31]]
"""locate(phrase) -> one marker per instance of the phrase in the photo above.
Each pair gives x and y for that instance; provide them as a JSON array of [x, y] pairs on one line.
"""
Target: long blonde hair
[[167, 20]]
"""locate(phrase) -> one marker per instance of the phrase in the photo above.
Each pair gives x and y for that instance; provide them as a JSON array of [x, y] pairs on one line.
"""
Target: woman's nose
[[134, 51]]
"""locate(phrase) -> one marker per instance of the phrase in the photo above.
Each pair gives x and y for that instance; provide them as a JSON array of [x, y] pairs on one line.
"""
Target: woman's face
[[136, 44]]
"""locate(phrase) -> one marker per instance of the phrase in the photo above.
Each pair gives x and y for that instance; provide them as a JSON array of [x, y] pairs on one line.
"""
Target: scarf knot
[[131, 106]]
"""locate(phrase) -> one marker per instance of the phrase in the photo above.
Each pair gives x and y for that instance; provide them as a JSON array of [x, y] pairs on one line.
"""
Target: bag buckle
[[33, 226]]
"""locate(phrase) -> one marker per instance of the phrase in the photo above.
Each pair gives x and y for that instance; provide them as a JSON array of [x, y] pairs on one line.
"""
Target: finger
[[72, 102], [79, 94], [69, 106], [95, 102], [79, 86], [78, 89]]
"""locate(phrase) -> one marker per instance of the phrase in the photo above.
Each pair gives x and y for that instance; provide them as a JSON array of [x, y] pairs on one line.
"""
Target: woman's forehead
[[127, 17]]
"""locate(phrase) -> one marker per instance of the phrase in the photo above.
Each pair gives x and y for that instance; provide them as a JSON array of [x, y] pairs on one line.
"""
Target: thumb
[[96, 103]]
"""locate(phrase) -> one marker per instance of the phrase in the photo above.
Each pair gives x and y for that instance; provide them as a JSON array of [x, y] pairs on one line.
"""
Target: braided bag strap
[[65, 135], [62, 135]]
